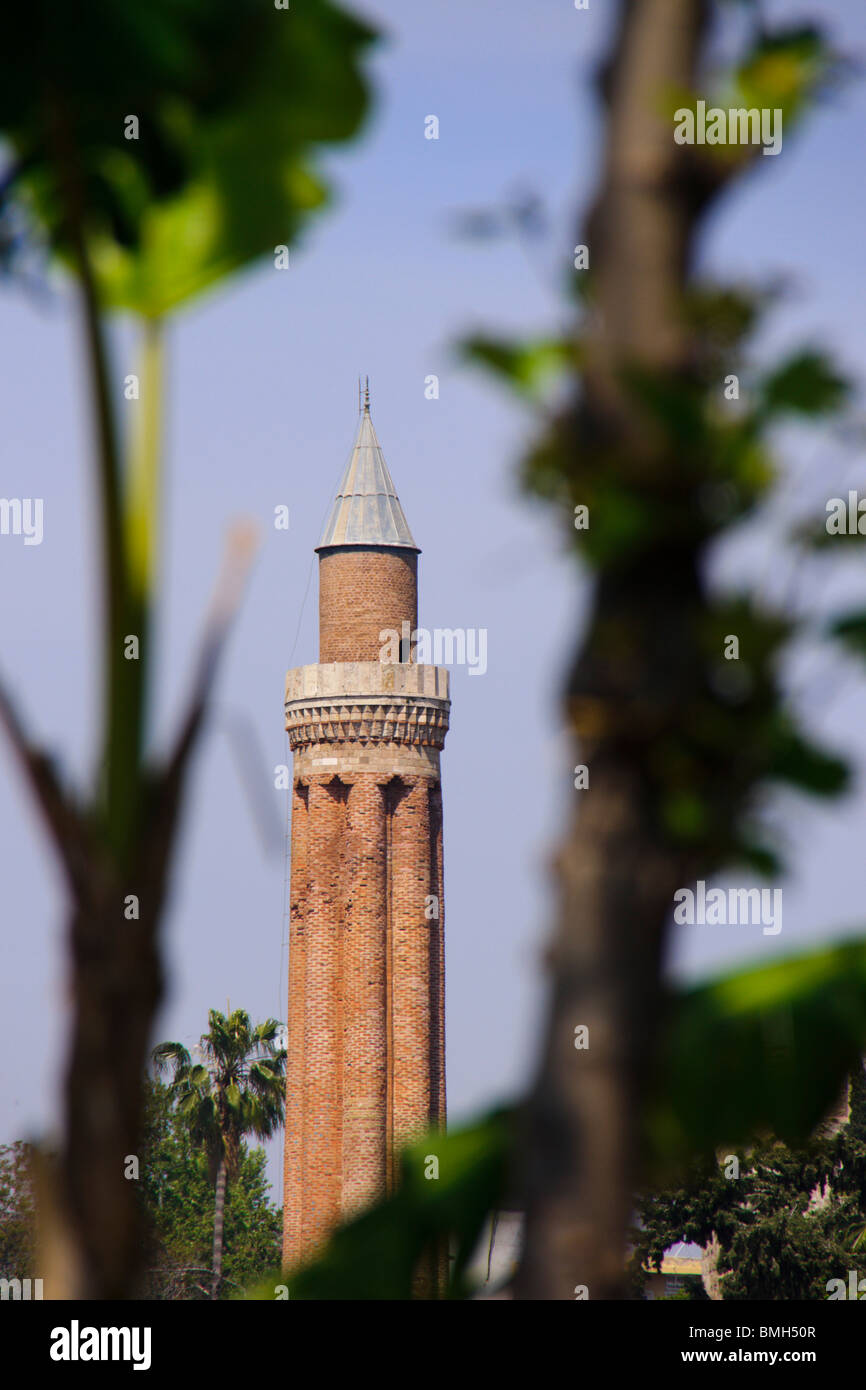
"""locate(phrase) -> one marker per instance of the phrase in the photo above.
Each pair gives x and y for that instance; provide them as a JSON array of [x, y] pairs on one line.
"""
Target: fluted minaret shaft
[[365, 1072], [365, 1044], [294, 1150], [413, 1022], [366, 1030], [323, 1008]]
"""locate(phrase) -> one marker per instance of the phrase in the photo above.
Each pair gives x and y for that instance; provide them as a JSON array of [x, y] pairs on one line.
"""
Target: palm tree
[[236, 1089]]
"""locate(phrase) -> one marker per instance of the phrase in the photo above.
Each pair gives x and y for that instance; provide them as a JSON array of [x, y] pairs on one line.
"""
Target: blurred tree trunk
[[108, 211], [89, 1215], [616, 874]]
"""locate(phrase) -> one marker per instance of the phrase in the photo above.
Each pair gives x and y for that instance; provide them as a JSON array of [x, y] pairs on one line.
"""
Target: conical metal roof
[[367, 510]]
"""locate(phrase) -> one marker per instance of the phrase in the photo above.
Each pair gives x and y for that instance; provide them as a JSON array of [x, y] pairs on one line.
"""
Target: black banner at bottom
[[83, 1340]]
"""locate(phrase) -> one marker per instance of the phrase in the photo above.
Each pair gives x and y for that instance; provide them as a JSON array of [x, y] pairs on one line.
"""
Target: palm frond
[[238, 1090], [168, 1055]]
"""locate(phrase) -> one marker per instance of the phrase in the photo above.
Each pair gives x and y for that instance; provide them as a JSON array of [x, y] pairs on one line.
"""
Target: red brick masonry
[[366, 1034], [361, 593]]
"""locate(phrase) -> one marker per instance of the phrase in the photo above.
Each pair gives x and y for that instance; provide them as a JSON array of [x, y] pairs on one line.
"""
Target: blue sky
[[262, 410]]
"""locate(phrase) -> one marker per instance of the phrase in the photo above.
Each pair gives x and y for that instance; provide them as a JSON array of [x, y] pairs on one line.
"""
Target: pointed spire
[[367, 510]]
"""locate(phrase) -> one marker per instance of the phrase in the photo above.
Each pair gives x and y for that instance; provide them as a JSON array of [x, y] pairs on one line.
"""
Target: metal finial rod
[[367, 394]]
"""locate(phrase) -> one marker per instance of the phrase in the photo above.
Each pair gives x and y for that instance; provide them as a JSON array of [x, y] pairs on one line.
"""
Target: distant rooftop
[[367, 510], [682, 1258]]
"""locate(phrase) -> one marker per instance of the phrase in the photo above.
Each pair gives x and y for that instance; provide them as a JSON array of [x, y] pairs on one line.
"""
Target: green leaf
[[851, 630], [671, 402], [766, 1049], [232, 99], [622, 519], [786, 69], [803, 764], [806, 384], [685, 815], [375, 1255], [527, 367], [306, 89]]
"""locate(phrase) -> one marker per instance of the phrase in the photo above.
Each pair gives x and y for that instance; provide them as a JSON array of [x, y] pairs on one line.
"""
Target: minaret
[[366, 1035]]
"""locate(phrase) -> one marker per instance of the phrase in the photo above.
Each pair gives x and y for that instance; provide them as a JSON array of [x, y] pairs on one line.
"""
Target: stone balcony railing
[[367, 702]]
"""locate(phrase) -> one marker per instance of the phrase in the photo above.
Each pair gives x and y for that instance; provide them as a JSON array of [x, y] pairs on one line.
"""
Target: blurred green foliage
[[763, 1049], [17, 1212], [525, 367], [230, 98], [850, 628], [760, 1049], [176, 1189], [785, 69], [176, 1194], [776, 1241], [153, 151], [377, 1255]]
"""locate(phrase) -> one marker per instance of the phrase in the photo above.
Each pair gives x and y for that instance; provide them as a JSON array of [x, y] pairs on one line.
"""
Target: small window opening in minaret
[[405, 649]]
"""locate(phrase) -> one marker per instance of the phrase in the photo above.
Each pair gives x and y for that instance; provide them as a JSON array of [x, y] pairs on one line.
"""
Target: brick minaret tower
[[366, 1036]]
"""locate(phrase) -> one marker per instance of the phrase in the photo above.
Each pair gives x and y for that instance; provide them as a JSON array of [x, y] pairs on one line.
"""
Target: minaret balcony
[[367, 702]]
